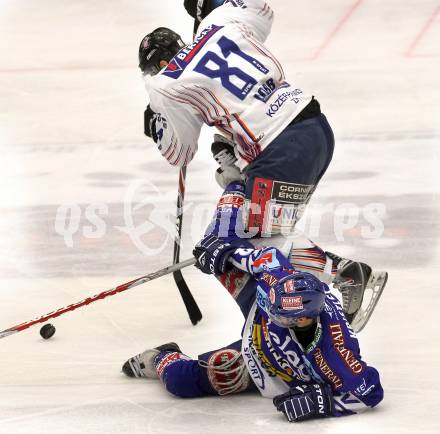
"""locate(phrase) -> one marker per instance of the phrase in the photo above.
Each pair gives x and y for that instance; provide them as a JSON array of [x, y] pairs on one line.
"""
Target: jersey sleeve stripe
[[246, 129], [177, 159], [214, 106], [189, 156], [200, 102], [191, 103], [227, 114], [173, 150]]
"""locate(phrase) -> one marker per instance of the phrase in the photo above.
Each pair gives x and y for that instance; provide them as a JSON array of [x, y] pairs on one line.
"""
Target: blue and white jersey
[[276, 360], [274, 356], [228, 79]]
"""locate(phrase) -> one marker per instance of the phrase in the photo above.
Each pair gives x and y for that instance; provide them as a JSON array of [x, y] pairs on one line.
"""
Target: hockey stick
[[100, 296], [191, 306]]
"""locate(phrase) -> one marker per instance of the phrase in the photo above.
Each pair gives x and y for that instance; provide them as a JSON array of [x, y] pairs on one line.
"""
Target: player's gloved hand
[[150, 118], [212, 254], [223, 152], [199, 9], [306, 402]]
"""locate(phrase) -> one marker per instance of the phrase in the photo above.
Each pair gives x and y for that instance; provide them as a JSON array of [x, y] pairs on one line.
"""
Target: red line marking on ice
[[336, 30], [422, 32]]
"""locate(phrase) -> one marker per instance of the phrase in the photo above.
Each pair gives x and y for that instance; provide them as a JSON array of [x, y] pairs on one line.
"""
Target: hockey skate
[[360, 288], [223, 152], [142, 365]]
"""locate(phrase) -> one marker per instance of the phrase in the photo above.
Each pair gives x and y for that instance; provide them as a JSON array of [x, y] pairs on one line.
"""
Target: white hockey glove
[[223, 152]]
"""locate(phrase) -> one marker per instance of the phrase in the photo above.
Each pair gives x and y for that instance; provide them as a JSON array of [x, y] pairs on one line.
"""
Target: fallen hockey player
[[297, 346], [274, 135]]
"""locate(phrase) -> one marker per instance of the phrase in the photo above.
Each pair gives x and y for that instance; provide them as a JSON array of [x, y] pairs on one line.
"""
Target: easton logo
[[320, 399], [292, 303]]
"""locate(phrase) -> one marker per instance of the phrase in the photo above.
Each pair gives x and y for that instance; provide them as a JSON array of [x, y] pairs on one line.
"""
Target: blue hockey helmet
[[295, 296]]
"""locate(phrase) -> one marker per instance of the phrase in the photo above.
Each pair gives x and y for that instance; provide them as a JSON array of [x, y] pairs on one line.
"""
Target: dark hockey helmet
[[295, 296], [199, 9], [161, 44]]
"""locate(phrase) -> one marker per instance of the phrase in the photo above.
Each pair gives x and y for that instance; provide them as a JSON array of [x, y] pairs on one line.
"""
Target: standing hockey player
[[296, 347], [272, 129]]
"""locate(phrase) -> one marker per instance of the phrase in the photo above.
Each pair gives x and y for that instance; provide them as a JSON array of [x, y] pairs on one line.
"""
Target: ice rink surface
[[87, 203]]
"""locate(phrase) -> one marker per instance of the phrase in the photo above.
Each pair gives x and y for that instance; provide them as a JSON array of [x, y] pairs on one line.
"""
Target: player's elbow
[[375, 396], [370, 391], [181, 158], [177, 163], [175, 160]]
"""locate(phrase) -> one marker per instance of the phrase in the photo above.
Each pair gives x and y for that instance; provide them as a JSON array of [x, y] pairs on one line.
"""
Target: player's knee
[[182, 379], [226, 371]]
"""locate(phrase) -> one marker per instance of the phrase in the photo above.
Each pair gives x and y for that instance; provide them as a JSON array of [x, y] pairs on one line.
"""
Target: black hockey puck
[[47, 331]]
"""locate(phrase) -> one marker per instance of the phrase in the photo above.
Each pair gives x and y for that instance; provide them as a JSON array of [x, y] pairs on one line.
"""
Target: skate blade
[[373, 291]]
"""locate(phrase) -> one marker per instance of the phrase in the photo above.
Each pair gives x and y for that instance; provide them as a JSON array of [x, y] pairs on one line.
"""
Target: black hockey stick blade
[[191, 306]]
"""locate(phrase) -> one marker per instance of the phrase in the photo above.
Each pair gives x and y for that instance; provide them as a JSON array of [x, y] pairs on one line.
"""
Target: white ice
[[71, 146]]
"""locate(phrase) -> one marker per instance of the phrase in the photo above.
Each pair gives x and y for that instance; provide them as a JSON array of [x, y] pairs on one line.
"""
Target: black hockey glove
[[306, 402], [150, 123], [212, 254], [199, 9]]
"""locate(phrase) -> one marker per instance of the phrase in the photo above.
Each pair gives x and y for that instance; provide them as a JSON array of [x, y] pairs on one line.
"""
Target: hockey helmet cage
[[161, 44]]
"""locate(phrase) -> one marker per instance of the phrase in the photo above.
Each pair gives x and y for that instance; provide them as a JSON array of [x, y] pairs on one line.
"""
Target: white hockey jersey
[[226, 78]]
